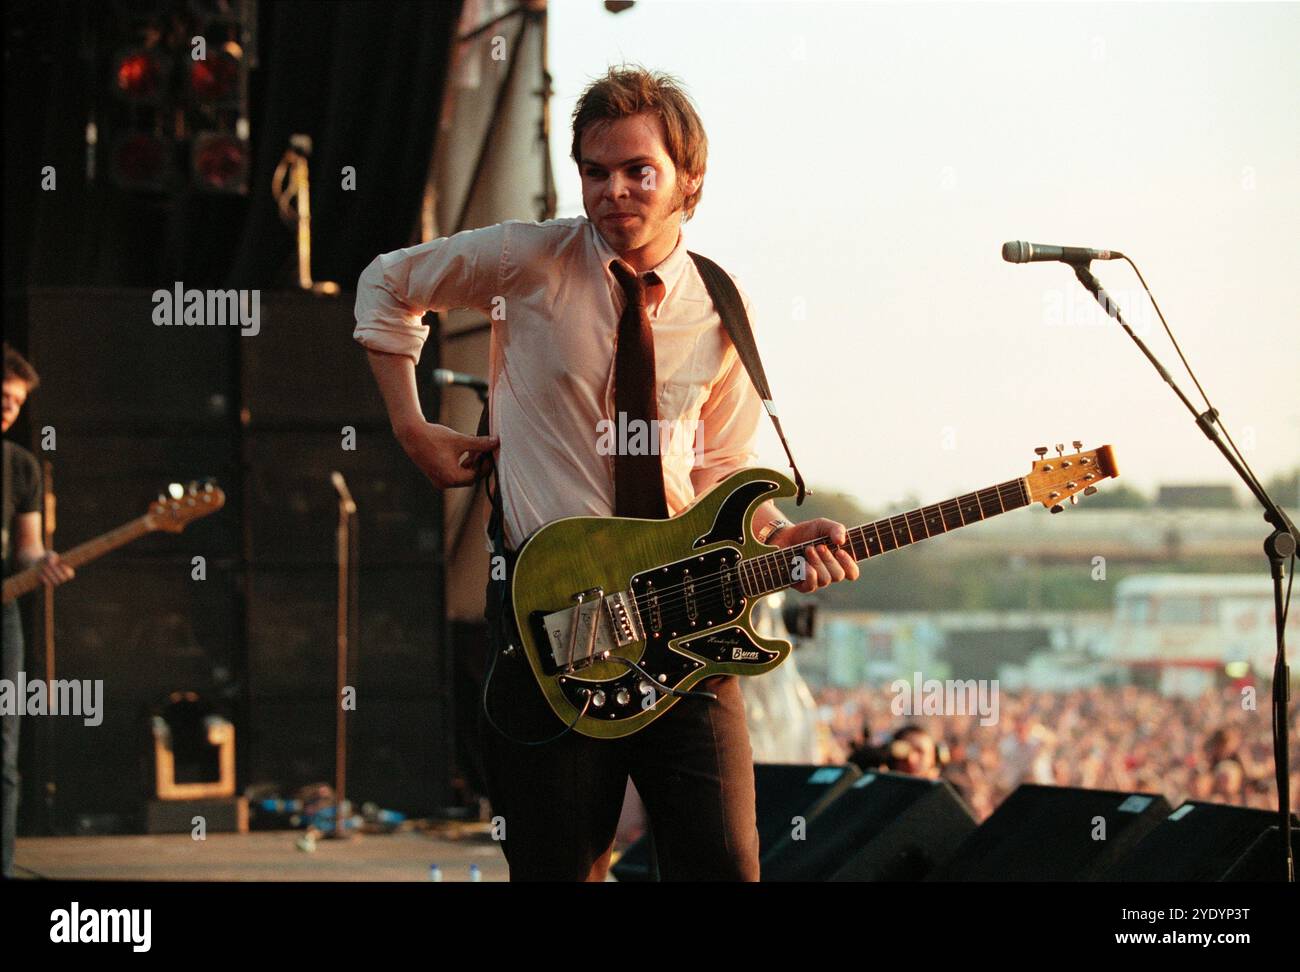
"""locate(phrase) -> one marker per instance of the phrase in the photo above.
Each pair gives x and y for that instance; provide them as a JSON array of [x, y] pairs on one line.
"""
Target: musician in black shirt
[[22, 548]]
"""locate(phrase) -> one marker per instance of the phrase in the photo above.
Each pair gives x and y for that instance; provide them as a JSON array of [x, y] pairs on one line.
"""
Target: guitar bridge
[[595, 625]]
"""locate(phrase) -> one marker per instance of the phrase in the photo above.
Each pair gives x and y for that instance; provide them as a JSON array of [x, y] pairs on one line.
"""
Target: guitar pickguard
[[729, 523], [729, 645]]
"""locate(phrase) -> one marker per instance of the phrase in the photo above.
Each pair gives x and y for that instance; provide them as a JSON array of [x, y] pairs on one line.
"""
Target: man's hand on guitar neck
[[825, 566], [53, 570], [30, 551]]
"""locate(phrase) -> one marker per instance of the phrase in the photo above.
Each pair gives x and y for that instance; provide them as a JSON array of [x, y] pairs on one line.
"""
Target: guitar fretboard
[[772, 572], [30, 579]]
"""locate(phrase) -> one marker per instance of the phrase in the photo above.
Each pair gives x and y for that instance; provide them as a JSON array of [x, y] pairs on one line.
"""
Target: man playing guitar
[[23, 548], [591, 317]]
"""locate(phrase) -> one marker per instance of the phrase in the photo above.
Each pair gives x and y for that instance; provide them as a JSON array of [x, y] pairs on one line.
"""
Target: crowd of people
[[1214, 748]]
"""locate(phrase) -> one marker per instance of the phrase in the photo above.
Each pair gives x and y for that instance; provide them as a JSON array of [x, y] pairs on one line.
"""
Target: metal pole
[[347, 510]]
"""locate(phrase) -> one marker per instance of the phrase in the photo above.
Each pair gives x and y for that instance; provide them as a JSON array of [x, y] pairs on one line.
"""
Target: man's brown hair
[[16, 366], [630, 90]]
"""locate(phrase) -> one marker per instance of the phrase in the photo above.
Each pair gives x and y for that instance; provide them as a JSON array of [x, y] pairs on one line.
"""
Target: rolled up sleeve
[[397, 289]]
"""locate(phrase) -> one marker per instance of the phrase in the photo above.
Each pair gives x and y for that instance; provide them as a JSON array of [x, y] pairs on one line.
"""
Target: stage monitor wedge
[[1052, 833], [1200, 842], [884, 827]]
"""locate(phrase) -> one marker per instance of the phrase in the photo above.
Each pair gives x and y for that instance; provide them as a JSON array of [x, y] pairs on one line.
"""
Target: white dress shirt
[[555, 307]]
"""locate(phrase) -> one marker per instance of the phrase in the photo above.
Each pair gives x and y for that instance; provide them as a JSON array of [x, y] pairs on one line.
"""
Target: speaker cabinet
[[105, 366], [1202, 842], [783, 792], [1050, 833], [885, 827]]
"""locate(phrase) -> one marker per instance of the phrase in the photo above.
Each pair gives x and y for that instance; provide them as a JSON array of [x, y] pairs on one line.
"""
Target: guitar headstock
[[1053, 480], [180, 506]]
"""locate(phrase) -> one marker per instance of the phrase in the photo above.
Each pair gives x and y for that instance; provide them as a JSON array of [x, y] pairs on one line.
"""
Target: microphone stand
[[1278, 547], [49, 747], [346, 537]]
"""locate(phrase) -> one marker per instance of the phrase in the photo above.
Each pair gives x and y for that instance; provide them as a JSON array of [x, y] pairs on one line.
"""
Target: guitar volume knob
[[622, 696], [598, 699]]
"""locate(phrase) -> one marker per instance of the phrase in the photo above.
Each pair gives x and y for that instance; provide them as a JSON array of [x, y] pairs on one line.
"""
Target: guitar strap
[[731, 308], [726, 298], [492, 490]]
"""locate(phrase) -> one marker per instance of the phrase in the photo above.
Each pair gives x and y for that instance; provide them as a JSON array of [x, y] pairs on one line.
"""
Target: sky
[[868, 160]]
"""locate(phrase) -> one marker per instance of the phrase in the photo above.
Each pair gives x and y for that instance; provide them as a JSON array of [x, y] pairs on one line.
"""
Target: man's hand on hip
[[446, 456], [823, 566]]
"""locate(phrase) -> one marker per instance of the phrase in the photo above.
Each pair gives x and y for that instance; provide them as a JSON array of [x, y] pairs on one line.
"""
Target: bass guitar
[[171, 512]]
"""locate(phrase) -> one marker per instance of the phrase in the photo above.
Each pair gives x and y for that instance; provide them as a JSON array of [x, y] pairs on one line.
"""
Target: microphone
[[1022, 252], [442, 378]]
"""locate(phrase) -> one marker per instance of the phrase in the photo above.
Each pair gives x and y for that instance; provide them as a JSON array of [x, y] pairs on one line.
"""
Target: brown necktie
[[638, 480]]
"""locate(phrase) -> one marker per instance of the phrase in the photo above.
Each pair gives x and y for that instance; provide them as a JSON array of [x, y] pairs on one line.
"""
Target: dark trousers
[[9, 784], [561, 801]]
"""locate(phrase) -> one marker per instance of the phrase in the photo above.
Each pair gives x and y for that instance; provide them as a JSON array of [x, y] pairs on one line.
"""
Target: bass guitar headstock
[[180, 505]]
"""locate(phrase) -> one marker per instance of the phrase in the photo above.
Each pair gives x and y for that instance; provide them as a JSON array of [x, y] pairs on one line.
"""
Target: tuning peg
[[1074, 499], [162, 497], [1078, 446], [193, 487], [1057, 508], [1060, 448], [1089, 490], [1041, 451]]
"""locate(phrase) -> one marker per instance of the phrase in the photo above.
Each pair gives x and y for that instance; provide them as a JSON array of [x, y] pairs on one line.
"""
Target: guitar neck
[[771, 572], [30, 579]]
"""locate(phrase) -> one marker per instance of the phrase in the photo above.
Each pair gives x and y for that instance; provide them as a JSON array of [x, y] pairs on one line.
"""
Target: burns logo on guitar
[[620, 617]]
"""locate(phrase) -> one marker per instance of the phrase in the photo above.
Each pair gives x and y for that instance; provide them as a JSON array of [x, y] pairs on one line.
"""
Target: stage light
[[216, 79], [220, 162], [191, 105], [138, 75]]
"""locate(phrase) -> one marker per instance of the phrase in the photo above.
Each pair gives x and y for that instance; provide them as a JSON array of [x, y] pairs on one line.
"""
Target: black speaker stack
[[134, 406]]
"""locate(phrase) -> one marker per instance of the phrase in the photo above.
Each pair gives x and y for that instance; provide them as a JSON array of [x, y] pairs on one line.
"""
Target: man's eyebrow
[[645, 159]]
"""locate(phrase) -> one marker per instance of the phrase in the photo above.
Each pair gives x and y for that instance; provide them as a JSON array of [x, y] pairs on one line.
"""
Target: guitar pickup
[[592, 627]]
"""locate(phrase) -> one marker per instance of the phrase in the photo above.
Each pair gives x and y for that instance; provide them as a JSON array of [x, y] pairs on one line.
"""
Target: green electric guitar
[[620, 617]]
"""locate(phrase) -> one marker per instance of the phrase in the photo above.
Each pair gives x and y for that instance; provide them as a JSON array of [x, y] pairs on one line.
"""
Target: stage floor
[[260, 856]]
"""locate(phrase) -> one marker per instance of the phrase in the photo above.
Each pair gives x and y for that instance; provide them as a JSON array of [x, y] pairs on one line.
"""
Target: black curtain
[[364, 79]]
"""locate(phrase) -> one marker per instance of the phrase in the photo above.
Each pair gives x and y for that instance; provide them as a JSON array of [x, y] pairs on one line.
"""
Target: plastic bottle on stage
[[435, 873], [474, 873]]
